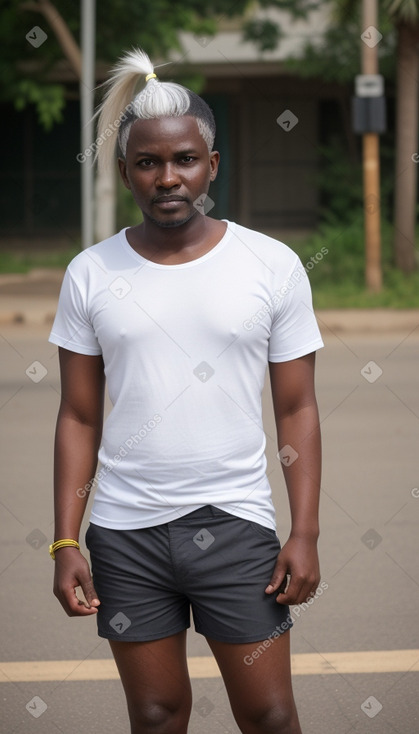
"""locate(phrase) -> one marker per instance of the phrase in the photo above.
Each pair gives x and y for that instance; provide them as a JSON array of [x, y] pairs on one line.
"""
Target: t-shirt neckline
[[191, 263]]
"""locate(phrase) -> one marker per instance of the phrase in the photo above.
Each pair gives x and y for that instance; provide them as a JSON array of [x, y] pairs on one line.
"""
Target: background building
[[271, 126]]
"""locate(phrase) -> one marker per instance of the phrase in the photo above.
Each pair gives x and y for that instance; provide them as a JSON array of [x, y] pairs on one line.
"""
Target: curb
[[27, 310], [31, 299], [367, 321], [40, 311]]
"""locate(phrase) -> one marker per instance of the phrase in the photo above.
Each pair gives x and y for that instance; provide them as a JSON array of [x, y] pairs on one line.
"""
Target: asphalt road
[[369, 403]]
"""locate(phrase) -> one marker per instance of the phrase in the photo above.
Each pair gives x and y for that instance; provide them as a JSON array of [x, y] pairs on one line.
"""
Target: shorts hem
[[143, 638], [243, 639]]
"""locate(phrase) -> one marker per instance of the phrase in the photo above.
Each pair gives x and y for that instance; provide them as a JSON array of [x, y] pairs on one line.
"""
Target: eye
[[187, 159], [145, 163]]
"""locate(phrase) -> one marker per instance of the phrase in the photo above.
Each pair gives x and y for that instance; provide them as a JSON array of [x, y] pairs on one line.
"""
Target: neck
[[172, 245], [175, 238]]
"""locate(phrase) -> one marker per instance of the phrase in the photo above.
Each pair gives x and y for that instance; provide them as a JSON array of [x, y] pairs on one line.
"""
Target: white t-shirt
[[185, 349]]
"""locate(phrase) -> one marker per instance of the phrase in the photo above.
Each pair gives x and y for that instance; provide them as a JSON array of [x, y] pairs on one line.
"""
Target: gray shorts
[[148, 579]]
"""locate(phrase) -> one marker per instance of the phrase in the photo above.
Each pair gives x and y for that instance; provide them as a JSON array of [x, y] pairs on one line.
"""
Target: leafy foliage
[[340, 183], [297, 8], [27, 72], [48, 99], [338, 280], [263, 32], [24, 69], [403, 11], [337, 57]]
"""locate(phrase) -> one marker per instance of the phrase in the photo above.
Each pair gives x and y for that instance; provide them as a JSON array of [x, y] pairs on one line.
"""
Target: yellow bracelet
[[151, 76], [62, 544]]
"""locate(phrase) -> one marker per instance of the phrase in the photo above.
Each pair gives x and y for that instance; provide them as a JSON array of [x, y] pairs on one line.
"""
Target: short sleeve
[[294, 331], [72, 328]]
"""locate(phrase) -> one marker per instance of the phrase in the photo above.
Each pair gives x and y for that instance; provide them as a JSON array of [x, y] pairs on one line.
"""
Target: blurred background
[[316, 103], [280, 77]]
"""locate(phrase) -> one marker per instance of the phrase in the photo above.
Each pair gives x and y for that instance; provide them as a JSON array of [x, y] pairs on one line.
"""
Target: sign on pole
[[369, 85]]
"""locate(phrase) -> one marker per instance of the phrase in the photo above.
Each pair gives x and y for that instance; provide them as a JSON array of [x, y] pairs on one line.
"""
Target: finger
[[81, 599], [307, 594], [279, 580], [292, 593], [301, 591], [91, 598], [72, 605]]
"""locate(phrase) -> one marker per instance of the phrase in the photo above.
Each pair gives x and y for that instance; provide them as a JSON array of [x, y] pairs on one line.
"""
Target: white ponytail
[[155, 100], [120, 109]]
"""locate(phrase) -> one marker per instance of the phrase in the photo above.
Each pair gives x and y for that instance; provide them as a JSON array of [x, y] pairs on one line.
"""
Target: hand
[[299, 559], [72, 570]]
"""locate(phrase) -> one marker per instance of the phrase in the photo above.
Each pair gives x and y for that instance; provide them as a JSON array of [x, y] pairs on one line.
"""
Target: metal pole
[[87, 85], [371, 167]]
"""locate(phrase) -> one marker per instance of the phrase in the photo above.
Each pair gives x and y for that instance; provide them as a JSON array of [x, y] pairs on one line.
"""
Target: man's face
[[167, 168]]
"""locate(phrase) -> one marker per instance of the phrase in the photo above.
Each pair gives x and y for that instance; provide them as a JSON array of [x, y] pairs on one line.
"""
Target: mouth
[[169, 202]]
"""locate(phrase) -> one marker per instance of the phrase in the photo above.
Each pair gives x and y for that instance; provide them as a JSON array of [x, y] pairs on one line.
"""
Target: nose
[[167, 177]]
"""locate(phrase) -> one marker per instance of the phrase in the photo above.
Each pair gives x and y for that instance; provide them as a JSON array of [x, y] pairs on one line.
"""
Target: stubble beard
[[172, 224]]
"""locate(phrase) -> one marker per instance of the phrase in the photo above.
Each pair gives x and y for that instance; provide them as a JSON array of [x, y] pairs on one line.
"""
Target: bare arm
[[297, 423], [77, 440]]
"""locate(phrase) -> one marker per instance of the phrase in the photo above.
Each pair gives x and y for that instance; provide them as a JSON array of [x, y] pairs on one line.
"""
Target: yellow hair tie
[[151, 76]]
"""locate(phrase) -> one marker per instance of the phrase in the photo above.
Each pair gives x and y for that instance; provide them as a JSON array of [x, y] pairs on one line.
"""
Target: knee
[[158, 718], [277, 719]]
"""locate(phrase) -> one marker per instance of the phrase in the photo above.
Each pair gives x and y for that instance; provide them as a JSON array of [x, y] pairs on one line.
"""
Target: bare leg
[[259, 687], [156, 682]]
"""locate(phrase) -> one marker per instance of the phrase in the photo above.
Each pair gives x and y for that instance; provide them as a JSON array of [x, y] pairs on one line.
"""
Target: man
[[183, 313]]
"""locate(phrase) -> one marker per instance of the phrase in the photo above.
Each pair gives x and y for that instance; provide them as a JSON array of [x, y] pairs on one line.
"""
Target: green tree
[[29, 74], [337, 58]]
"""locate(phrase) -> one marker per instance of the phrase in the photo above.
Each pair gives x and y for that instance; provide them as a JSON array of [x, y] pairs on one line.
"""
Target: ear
[[214, 163], [123, 171]]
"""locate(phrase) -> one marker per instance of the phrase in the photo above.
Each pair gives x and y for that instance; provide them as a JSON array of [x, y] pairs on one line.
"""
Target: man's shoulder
[[103, 255], [265, 245]]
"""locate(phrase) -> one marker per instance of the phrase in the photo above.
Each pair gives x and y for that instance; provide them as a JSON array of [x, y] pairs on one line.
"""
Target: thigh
[[257, 677], [154, 676]]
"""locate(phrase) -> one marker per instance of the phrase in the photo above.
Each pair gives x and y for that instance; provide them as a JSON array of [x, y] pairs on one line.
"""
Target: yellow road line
[[374, 661], [325, 663]]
